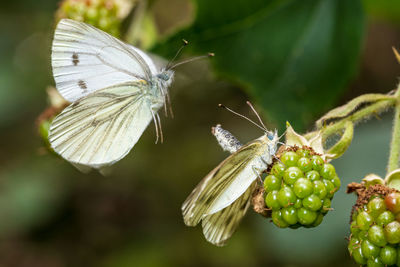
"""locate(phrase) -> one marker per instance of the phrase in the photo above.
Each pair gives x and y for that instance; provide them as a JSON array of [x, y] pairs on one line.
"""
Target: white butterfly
[[115, 90], [222, 198]]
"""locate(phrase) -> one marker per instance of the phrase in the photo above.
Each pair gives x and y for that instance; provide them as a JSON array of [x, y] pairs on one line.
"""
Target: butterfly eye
[[163, 76], [270, 136]]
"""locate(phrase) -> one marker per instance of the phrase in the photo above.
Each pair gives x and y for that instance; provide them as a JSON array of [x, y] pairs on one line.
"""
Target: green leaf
[[338, 149], [351, 107], [293, 138], [372, 179], [293, 58], [392, 179]]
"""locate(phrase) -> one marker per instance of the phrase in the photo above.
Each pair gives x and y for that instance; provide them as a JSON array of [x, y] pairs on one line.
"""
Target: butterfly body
[[225, 139]]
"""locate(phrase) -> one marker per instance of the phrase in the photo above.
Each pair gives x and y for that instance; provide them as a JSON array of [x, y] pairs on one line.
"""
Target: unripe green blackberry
[[103, 14], [299, 188], [375, 231]]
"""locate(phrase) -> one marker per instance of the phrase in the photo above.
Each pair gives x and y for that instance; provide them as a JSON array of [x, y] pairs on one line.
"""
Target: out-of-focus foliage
[[388, 10], [294, 58], [54, 216], [103, 14]]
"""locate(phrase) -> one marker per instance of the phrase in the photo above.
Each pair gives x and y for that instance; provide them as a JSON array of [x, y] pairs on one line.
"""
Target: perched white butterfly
[[222, 198], [115, 90]]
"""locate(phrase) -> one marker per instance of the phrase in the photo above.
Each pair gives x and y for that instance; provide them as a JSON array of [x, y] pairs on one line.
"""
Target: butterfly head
[[273, 140], [165, 77], [272, 136]]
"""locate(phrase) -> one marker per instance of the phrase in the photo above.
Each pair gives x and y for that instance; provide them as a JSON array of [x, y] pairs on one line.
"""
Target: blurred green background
[[294, 59]]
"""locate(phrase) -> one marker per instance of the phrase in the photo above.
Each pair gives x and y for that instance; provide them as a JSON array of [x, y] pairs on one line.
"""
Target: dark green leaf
[[294, 58]]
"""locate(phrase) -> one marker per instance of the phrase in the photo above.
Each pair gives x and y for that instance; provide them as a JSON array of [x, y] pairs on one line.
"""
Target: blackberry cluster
[[299, 188], [100, 13], [375, 232]]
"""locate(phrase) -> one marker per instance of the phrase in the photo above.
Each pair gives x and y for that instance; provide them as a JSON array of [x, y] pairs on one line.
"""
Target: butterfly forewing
[[219, 227], [102, 127], [223, 185], [86, 59]]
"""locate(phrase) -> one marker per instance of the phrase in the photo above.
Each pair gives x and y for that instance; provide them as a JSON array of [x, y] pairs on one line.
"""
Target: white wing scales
[[238, 186], [220, 187], [101, 128], [85, 59], [219, 227]]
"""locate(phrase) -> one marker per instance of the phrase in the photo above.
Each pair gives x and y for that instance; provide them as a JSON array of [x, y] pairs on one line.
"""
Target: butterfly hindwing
[[219, 227], [102, 127], [223, 185], [86, 59]]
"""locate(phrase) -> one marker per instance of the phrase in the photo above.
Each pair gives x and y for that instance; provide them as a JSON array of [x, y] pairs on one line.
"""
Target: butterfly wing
[[101, 128], [85, 59], [219, 227], [223, 185]]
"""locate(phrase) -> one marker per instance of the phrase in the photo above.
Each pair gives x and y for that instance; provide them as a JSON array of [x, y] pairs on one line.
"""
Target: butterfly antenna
[[282, 134], [192, 59], [255, 112], [185, 43], [240, 115]]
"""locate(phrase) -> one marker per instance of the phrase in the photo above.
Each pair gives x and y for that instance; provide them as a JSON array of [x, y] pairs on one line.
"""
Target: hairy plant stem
[[337, 127], [393, 162]]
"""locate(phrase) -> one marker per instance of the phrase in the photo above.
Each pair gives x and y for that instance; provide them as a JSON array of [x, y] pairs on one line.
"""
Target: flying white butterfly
[[222, 198], [115, 90]]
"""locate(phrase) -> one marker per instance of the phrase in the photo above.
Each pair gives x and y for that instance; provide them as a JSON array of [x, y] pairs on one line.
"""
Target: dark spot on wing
[[95, 122], [75, 59], [82, 85]]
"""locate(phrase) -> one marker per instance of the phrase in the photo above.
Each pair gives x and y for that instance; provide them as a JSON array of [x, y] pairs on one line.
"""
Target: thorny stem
[[393, 163]]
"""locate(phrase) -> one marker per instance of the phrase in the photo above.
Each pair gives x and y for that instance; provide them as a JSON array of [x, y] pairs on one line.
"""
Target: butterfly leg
[[159, 124], [278, 160], [257, 172], [267, 161], [156, 125], [168, 103]]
